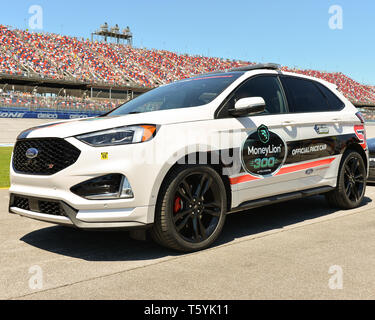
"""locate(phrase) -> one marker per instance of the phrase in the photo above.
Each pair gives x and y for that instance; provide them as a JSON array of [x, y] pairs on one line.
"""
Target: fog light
[[109, 187], [126, 189]]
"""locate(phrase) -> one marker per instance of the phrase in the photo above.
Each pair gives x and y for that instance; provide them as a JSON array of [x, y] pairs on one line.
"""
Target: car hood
[[71, 128]]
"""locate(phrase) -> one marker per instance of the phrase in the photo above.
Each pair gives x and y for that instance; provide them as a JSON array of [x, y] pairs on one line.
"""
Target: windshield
[[187, 93]]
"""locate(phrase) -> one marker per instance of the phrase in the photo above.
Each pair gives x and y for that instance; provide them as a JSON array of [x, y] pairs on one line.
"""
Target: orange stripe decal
[[305, 166], [299, 167], [242, 179]]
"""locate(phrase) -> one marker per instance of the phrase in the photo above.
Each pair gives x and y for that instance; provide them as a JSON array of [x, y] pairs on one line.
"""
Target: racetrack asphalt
[[284, 251]]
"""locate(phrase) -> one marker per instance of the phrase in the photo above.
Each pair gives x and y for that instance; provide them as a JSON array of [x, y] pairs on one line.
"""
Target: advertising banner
[[19, 113]]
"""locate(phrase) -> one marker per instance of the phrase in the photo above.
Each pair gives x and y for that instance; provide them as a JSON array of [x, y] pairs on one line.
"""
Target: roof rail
[[271, 66]]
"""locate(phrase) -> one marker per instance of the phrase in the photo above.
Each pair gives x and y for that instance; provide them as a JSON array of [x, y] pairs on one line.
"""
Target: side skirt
[[280, 198]]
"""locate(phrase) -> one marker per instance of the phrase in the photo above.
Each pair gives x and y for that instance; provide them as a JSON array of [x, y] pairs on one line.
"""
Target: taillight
[[360, 132], [360, 117]]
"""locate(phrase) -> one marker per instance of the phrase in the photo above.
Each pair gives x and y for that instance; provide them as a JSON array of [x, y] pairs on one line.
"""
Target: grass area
[[5, 155]]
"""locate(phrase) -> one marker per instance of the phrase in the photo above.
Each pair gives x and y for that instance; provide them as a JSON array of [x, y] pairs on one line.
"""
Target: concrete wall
[[10, 128]]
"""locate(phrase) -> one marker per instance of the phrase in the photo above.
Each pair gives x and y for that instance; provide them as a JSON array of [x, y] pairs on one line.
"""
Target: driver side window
[[267, 87]]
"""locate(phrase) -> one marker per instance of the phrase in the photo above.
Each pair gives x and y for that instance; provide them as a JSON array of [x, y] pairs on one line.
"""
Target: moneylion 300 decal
[[263, 153]]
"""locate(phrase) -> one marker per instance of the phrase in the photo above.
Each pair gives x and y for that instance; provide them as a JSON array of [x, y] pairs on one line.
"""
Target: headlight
[[119, 136]]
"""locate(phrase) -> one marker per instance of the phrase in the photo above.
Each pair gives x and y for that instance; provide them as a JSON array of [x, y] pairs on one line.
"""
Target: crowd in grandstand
[[63, 57], [353, 90]]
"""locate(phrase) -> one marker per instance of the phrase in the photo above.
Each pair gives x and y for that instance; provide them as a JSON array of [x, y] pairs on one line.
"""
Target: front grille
[[21, 203], [44, 206], [53, 156], [51, 208]]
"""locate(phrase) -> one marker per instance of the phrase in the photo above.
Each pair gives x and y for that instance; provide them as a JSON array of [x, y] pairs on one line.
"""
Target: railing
[[31, 102]]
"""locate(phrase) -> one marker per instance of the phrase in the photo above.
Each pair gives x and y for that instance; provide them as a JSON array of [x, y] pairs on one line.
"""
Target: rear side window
[[304, 96], [334, 103]]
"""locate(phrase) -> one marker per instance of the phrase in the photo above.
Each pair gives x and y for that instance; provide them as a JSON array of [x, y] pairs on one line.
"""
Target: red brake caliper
[[177, 205]]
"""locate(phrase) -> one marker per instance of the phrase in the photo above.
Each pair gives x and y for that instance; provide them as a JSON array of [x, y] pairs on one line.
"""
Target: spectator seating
[[61, 57]]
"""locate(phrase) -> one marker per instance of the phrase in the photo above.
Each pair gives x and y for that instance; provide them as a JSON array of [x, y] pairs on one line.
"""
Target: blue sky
[[289, 32]]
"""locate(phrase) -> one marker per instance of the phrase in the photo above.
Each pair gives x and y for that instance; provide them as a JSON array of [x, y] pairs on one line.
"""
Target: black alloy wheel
[[351, 182], [197, 207], [354, 179], [193, 209]]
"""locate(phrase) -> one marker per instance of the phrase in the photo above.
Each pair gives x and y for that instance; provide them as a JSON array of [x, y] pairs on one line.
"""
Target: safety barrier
[[24, 113]]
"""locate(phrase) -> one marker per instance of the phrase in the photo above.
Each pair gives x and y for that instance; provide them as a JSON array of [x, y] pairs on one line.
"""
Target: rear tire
[[351, 183], [192, 209]]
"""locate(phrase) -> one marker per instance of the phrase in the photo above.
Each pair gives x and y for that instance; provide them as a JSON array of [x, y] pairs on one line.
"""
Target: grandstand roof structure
[[62, 61], [105, 32]]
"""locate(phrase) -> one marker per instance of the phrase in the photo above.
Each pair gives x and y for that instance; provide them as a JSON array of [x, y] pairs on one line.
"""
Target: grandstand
[[357, 93], [50, 71]]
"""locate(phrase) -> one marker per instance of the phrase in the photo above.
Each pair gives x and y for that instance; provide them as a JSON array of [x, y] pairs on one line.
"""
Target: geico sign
[[47, 116], [11, 115], [79, 116]]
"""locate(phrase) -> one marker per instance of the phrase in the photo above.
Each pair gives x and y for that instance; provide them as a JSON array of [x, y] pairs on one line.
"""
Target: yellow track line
[[4, 188]]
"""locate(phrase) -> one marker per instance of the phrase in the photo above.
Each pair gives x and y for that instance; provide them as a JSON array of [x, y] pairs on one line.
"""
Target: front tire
[[192, 210], [351, 185]]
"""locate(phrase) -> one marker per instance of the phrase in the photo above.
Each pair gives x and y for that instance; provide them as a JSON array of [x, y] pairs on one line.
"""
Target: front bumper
[[62, 214], [138, 211]]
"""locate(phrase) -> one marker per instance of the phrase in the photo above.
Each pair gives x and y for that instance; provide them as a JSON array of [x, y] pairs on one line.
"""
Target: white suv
[[179, 158]]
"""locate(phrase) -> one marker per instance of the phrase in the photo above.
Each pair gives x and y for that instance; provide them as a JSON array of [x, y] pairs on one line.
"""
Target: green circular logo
[[263, 153]]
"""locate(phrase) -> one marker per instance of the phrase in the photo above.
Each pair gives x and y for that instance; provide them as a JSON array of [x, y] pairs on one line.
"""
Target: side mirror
[[248, 106]]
